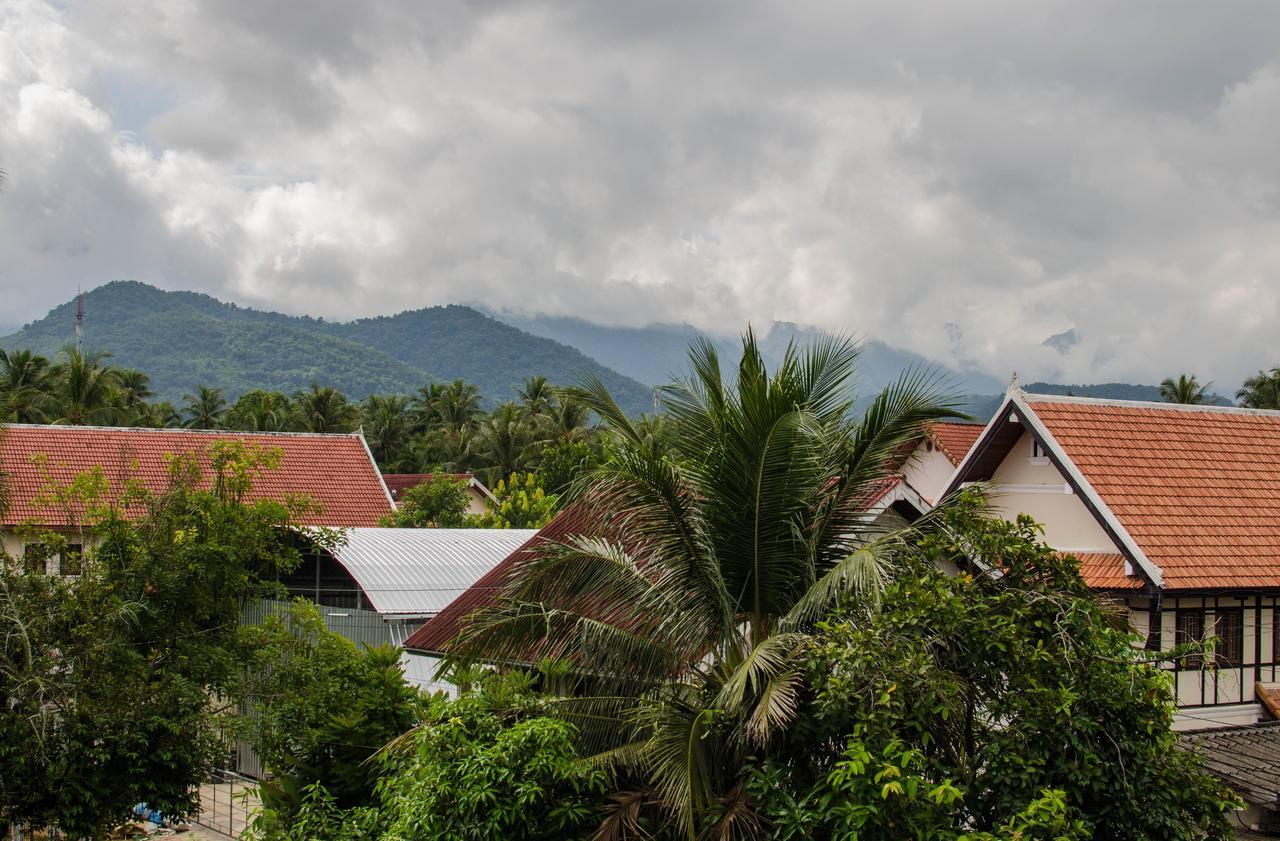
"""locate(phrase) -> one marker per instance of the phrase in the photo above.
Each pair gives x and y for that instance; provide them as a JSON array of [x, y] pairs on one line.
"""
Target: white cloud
[[960, 179]]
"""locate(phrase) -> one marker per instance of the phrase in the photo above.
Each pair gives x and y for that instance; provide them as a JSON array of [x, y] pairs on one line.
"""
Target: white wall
[[928, 470], [1023, 486]]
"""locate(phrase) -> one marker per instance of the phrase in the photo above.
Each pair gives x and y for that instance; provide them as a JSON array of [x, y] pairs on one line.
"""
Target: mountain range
[[187, 339]]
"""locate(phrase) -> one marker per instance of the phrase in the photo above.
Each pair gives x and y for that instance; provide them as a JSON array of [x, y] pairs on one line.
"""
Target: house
[[928, 466], [478, 496], [1173, 510], [335, 471]]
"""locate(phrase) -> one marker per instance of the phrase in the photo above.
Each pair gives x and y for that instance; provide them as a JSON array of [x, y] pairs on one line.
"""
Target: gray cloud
[[964, 180]]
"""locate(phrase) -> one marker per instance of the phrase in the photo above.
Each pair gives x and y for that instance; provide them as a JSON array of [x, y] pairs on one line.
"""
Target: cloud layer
[[964, 180]]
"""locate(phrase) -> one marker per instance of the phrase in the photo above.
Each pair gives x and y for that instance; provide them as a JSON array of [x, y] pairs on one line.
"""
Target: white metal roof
[[419, 571]]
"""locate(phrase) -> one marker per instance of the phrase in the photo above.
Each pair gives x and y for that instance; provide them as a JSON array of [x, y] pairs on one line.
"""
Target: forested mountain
[[1114, 391], [186, 339], [654, 353]]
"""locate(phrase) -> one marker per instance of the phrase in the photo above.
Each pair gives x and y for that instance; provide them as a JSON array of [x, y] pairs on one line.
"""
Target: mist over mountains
[[187, 339]]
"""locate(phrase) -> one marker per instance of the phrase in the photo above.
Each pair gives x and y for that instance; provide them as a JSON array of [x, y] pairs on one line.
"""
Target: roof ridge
[[177, 429], [1148, 404]]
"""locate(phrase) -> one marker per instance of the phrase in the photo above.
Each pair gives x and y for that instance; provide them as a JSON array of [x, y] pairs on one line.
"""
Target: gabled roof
[[1190, 494], [435, 635], [336, 471], [398, 483], [954, 438], [420, 571]]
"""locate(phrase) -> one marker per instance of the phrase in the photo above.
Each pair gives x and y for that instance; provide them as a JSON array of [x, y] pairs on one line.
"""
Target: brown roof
[[1246, 757], [1105, 571], [1197, 488], [398, 483], [435, 635], [955, 438], [336, 471]]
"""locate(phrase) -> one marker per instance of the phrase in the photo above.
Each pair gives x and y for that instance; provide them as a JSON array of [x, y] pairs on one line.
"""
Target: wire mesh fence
[[227, 800]]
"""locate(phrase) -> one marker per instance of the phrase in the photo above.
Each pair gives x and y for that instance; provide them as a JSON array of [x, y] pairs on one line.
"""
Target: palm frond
[[763, 689], [861, 572]]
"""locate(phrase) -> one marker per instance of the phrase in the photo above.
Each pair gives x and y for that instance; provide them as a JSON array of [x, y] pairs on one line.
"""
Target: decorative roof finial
[[1013, 382]]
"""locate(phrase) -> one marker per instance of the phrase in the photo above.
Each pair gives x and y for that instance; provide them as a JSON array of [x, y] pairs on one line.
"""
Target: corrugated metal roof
[[420, 571]]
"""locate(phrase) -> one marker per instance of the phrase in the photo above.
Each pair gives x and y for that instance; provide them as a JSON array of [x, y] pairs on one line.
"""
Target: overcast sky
[[960, 179]]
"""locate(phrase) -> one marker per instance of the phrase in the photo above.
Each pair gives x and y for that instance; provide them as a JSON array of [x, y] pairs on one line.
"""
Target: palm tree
[[458, 405], [85, 389], [205, 409], [688, 629], [537, 395], [566, 417], [160, 415], [507, 440], [1185, 389], [323, 409], [386, 427], [260, 411], [1261, 391], [25, 381], [132, 390]]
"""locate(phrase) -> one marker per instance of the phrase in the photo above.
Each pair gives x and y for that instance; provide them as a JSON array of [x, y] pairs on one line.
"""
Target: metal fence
[[227, 800], [359, 626]]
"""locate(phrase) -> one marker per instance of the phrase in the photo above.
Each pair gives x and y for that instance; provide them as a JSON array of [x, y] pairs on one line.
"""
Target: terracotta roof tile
[[1105, 571], [398, 483], [1198, 489], [955, 438], [334, 470]]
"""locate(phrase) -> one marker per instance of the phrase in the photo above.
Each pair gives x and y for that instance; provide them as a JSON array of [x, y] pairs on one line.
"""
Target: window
[[1039, 455], [71, 561], [1275, 635], [35, 557], [1189, 628], [1229, 627]]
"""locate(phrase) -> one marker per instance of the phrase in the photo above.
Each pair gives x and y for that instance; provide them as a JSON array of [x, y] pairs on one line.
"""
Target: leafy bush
[[522, 503], [440, 502]]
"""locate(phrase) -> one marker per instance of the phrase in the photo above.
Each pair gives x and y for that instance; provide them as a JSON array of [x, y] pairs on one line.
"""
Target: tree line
[[443, 427]]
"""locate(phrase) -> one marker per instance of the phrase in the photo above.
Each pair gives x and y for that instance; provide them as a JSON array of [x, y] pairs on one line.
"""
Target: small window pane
[[35, 558], [1190, 628], [1229, 627]]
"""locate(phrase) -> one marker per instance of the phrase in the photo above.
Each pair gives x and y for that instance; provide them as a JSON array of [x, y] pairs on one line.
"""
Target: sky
[[964, 180]]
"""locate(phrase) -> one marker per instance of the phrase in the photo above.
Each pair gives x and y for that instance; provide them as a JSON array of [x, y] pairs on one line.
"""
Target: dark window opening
[[71, 560], [1229, 628], [1189, 628], [35, 558]]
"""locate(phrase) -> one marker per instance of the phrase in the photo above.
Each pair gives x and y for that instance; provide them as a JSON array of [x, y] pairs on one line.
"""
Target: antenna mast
[[79, 321]]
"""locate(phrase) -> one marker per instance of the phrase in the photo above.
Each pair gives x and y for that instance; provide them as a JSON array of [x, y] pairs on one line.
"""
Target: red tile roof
[[1197, 488], [439, 631], [398, 483], [1105, 571], [336, 471], [955, 438]]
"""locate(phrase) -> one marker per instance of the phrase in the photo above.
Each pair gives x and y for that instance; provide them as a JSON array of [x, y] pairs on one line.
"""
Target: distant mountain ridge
[[187, 339], [658, 352]]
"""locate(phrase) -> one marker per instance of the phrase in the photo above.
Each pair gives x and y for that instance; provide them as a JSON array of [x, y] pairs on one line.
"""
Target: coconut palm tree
[[132, 390], [206, 409], [507, 441], [260, 411], [386, 427], [457, 405], [537, 395], [25, 382], [686, 616], [85, 389], [1185, 389], [323, 409], [1261, 391]]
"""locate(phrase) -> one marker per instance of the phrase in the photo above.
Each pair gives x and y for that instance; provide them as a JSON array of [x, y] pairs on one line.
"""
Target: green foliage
[[522, 503], [1184, 389], [489, 766], [565, 462], [185, 339], [439, 503], [319, 708], [966, 701], [1261, 391], [106, 679]]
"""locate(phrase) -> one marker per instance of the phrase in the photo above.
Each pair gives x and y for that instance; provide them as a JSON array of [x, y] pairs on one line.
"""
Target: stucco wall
[[928, 471], [1023, 486]]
